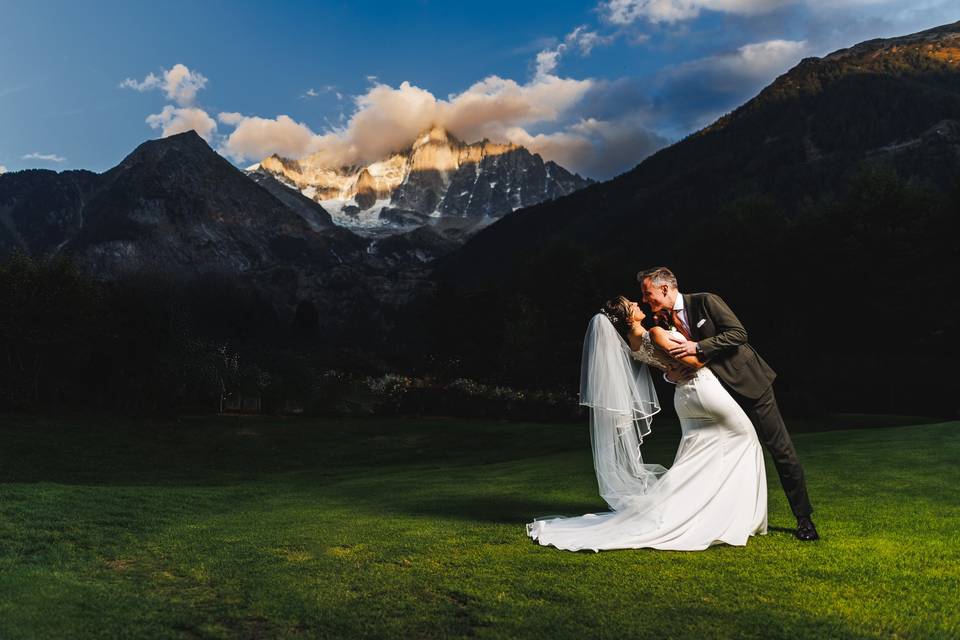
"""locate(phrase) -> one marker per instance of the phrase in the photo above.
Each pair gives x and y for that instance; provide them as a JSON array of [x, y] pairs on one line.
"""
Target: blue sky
[[595, 86]]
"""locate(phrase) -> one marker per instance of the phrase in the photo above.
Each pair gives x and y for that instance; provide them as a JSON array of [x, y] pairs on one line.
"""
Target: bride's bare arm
[[660, 338]]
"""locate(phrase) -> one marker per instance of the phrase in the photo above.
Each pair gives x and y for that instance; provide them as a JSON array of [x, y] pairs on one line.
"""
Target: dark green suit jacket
[[724, 343]]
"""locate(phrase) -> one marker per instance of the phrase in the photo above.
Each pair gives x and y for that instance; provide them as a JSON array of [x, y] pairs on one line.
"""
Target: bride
[[716, 490]]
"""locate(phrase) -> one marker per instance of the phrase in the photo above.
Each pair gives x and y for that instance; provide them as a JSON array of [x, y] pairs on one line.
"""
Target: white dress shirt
[[678, 307], [682, 312]]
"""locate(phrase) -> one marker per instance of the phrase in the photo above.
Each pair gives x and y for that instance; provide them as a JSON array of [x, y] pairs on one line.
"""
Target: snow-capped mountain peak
[[437, 179]]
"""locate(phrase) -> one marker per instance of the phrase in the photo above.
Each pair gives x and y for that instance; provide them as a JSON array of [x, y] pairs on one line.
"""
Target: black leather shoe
[[806, 531]]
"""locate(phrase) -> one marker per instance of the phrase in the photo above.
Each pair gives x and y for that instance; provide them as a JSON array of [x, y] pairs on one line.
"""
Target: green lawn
[[266, 527]]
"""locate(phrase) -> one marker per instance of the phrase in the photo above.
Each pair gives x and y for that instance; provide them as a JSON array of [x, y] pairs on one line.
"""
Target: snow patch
[[366, 219]]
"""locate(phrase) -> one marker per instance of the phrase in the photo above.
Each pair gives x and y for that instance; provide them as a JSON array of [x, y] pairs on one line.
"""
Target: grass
[[263, 527]]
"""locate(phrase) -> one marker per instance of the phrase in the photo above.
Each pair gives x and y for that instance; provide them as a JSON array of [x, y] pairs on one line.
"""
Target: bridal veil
[[622, 401]]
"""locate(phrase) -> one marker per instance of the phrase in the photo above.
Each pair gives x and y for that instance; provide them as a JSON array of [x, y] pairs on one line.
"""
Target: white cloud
[[629, 11], [839, 4], [3, 169], [179, 83], [152, 81], [586, 40], [173, 120], [580, 38], [327, 88], [256, 138], [46, 157], [494, 103], [693, 94], [387, 119], [623, 12], [764, 60], [231, 118], [593, 147], [547, 62]]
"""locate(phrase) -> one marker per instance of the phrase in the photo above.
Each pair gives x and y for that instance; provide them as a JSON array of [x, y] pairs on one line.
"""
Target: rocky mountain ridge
[[437, 179], [174, 205]]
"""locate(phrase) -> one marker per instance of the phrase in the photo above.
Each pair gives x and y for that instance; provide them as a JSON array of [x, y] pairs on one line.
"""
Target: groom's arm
[[730, 332]]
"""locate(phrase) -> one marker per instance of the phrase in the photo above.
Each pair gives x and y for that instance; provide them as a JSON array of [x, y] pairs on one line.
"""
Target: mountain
[[173, 204], [893, 102], [176, 206], [40, 210], [438, 179], [824, 210]]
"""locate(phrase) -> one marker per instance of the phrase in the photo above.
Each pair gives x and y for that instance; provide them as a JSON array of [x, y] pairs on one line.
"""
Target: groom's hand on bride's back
[[682, 347], [679, 373]]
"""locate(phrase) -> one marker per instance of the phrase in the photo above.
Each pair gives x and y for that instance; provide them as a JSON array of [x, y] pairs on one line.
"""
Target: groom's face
[[656, 297]]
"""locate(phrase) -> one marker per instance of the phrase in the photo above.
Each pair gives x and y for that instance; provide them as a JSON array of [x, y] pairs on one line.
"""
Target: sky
[[595, 86]]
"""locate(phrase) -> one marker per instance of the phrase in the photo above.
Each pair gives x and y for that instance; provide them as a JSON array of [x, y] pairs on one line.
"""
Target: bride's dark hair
[[617, 311]]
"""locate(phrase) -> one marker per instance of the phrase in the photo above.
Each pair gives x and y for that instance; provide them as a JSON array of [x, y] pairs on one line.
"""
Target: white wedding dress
[[715, 492]]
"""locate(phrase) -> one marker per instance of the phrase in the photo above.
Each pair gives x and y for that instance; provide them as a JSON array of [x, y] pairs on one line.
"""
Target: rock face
[[40, 210], [437, 178]]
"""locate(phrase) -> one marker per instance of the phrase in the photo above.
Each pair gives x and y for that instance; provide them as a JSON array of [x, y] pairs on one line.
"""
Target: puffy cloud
[[231, 118], [179, 83], [762, 60], [46, 157], [580, 38], [256, 138], [3, 169], [596, 148], [152, 81], [628, 11], [586, 40], [547, 61], [623, 12], [840, 4], [693, 94], [387, 119], [173, 120], [489, 106], [596, 127]]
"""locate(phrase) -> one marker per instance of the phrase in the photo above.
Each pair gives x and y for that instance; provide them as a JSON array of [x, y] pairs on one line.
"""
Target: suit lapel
[[693, 317]]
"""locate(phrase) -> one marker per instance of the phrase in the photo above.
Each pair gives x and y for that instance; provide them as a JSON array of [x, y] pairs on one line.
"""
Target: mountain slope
[[172, 204], [40, 210], [893, 101]]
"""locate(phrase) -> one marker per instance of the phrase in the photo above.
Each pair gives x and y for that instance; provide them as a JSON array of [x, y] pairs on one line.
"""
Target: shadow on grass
[[786, 530], [225, 450], [496, 509], [229, 451]]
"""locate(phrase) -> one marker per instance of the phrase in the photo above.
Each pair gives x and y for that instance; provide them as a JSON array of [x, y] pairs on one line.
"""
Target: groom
[[714, 335]]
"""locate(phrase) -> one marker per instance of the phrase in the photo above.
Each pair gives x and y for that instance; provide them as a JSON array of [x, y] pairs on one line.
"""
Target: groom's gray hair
[[659, 276]]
